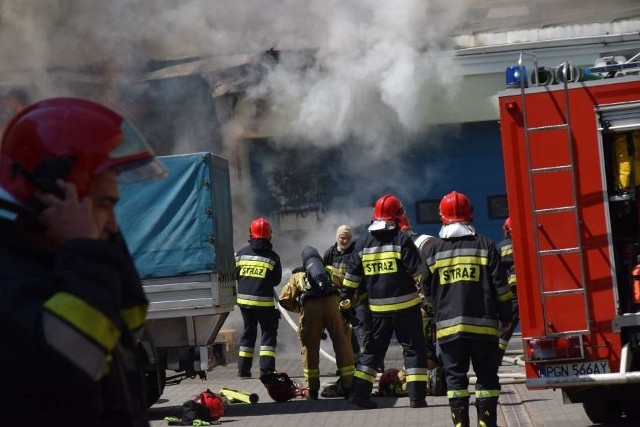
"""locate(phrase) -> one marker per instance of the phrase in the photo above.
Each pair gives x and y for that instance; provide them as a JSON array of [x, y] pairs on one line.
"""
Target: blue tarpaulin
[[169, 224]]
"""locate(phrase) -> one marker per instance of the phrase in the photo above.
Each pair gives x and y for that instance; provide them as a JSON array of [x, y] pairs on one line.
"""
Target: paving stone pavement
[[518, 406]]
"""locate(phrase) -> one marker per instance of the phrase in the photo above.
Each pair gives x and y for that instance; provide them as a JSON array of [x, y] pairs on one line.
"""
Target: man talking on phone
[[71, 303]]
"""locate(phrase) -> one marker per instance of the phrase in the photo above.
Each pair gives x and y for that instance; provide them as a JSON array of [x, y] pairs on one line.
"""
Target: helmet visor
[[133, 158]]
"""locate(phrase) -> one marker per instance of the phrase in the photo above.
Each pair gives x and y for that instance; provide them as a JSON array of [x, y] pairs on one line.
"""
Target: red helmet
[[71, 139], [404, 222], [281, 392], [260, 229], [279, 386], [506, 227], [388, 208], [455, 207]]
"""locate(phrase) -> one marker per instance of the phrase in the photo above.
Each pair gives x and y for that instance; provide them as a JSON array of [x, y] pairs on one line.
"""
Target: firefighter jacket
[[68, 318], [467, 285], [505, 248], [388, 264], [336, 261], [258, 271]]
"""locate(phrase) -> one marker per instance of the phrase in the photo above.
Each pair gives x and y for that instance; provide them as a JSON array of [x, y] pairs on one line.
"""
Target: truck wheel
[[602, 412]]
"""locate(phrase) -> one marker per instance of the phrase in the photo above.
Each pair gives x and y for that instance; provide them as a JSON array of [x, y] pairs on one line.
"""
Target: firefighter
[[318, 307], [387, 262], [258, 272], [334, 259], [422, 241], [467, 286], [505, 248], [72, 305]]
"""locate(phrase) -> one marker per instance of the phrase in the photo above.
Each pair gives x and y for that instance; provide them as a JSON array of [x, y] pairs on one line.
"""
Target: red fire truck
[[571, 146]]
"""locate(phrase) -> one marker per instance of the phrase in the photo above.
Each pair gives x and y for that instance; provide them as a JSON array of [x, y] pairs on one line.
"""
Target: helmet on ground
[[260, 229], [390, 383], [71, 139], [506, 227], [279, 386], [455, 207], [280, 392]]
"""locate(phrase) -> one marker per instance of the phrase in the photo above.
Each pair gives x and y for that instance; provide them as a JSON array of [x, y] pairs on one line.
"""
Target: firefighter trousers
[[268, 321], [363, 332], [407, 325], [456, 356], [317, 315]]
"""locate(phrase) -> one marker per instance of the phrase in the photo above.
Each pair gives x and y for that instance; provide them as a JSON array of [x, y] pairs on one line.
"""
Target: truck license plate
[[569, 369]]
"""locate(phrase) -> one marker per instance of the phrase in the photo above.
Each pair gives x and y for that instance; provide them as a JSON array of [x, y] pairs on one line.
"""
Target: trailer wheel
[[154, 373], [602, 412], [156, 381]]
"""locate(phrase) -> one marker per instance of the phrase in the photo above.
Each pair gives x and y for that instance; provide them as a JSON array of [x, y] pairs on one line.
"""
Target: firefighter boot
[[360, 394], [459, 412], [487, 412], [417, 393]]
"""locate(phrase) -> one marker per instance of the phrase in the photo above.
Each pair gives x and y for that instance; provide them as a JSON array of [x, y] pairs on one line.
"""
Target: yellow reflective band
[[134, 317], [267, 353], [381, 256], [508, 296], [254, 263], [383, 266], [364, 376], [502, 346], [245, 354], [78, 348], [347, 370], [350, 284], [452, 394], [459, 273], [85, 318], [512, 280], [254, 303], [253, 268], [416, 377], [453, 261], [394, 307], [508, 250], [483, 394], [472, 329], [311, 373]]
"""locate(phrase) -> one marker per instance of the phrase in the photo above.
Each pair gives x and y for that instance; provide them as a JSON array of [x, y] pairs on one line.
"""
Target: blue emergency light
[[513, 76]]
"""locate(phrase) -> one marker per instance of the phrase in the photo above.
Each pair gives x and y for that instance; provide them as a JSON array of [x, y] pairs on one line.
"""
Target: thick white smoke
[[372, 57]]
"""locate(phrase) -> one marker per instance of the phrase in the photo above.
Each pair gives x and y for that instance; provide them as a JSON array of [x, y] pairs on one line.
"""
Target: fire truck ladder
[[551, 328]]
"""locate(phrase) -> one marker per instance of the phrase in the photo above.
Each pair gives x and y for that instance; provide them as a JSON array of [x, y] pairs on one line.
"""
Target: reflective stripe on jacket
[[388, 264], [258, 271], [468, 287]]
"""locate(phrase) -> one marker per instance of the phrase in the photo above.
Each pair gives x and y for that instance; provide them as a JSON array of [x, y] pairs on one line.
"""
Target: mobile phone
[[44, 178]]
